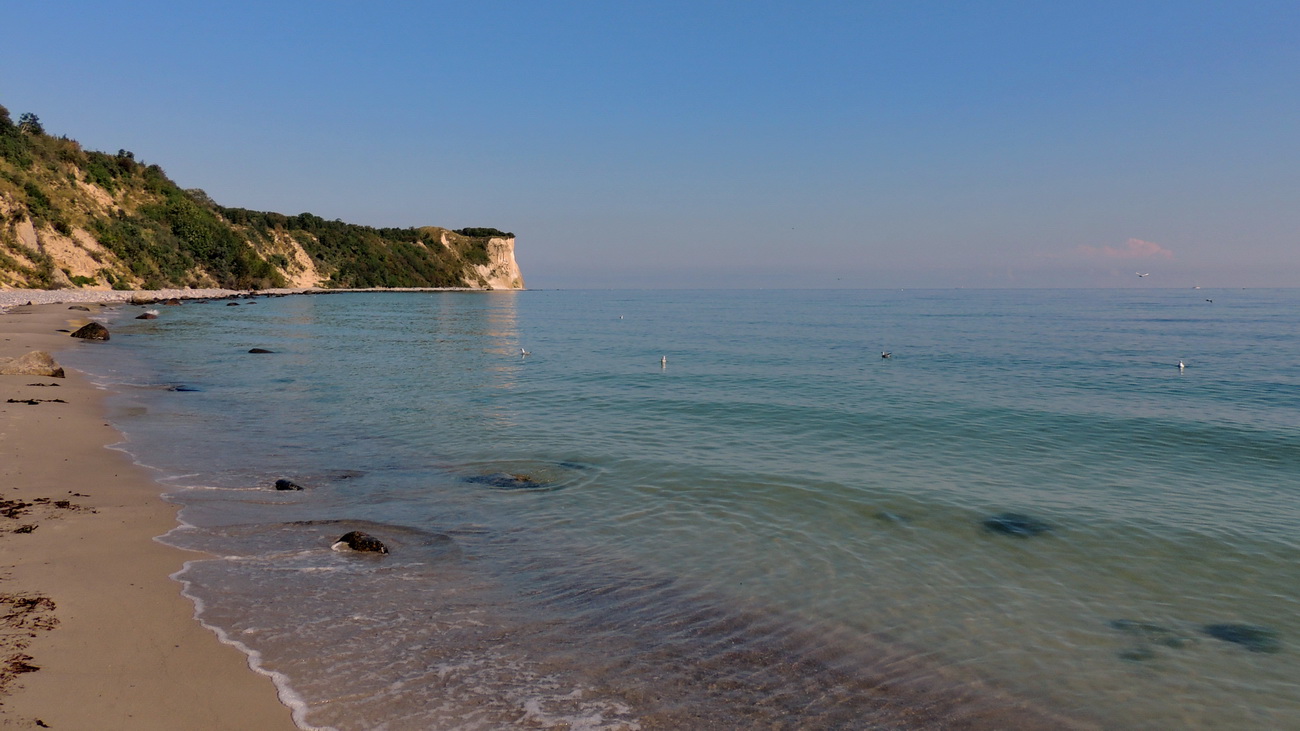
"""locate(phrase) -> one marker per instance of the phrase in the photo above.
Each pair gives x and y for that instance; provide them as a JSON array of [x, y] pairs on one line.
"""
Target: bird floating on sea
[[663, 361], [886, 354], [1180, 365], [524, 353]]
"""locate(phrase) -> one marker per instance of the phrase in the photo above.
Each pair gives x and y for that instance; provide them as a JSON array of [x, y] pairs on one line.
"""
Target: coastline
[[18, 297], [91, 604]]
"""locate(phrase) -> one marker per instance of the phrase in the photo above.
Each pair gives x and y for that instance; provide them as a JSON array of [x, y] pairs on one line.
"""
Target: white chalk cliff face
[[503, 271]]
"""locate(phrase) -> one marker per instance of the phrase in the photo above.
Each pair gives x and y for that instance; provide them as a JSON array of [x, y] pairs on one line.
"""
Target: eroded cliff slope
[[76, 218]]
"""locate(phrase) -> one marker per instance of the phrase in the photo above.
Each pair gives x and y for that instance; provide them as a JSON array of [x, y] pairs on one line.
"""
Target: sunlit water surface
[[778, 528]]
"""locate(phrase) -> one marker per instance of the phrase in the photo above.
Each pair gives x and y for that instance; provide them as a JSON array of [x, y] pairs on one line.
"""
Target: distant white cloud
[[1133, 249]]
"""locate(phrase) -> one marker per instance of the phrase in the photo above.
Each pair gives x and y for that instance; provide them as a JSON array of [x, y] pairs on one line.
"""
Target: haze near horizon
[[753, 144]]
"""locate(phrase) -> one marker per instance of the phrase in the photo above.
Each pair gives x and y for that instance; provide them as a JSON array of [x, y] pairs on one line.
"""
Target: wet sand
[[93, 632]]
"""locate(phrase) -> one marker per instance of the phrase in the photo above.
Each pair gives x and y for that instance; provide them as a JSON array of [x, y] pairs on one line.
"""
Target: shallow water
[[778, 528]]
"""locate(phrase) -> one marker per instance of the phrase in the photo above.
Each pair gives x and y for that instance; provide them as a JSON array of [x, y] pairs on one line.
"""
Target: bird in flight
[[1140, 274]]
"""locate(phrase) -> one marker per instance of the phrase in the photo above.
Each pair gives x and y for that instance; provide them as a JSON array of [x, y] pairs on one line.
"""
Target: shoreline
[[98, 634], [10, 298]]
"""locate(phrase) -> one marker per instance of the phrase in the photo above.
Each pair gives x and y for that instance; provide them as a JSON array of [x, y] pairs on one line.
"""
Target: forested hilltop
[[71, 217]]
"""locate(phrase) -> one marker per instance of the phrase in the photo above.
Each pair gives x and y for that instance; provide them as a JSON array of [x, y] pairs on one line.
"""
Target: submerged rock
[[92, 331], [34, 363], [83, 308], [146, 316], [359, 541], [1151, 632], [507, 481], [1015, 524], [183, 388], [1250, 636], [261, 350], [283, 484], [232, 304], [1141, 653]]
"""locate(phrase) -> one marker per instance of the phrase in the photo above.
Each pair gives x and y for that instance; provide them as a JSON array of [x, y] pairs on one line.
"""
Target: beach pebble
[[34, 363], [1015, 524], [283, 484], [358, 541], [1250, 636], [92, 331]]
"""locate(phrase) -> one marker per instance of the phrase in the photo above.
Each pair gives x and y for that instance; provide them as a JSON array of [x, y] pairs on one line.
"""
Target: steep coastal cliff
[[76, 218]]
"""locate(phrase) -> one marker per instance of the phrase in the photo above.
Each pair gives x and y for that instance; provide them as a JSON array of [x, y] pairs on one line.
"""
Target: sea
[[727, 510]]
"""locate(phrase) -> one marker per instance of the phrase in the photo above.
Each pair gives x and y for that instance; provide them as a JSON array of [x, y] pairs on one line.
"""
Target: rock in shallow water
[[359, 541], [1016, 524], [1151, 632], [260, 350], [92, 331], [507, 481], [1250, 636], [283, 484]]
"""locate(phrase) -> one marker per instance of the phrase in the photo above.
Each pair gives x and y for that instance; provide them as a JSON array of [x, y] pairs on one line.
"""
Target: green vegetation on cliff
[[73, 217]]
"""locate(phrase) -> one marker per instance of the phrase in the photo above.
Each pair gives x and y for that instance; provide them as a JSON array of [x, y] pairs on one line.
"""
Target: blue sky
[[731, 144]]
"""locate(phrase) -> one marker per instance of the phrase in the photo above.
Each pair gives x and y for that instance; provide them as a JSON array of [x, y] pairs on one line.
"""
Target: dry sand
[[93, 632]]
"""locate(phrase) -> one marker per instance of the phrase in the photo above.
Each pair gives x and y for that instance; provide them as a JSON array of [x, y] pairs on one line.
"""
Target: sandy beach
[[93, 632]]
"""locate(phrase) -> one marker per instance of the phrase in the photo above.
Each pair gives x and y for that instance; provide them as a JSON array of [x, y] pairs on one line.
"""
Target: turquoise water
[[777, 528]]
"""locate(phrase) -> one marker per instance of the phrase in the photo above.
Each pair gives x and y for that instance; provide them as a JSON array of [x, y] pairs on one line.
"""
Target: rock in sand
[[35, 363]]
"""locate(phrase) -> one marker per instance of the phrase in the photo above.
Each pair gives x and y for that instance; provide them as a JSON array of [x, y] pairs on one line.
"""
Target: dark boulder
[[79, 307], [172, 303], [261, 350], [1250, 636], [283, 484], [358, 541], [1015, 524], [92, 331], [232, 304], [146, 316], [181, 387]]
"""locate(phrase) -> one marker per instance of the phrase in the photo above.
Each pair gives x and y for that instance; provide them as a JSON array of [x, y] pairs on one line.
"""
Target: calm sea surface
[[777, 529]]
